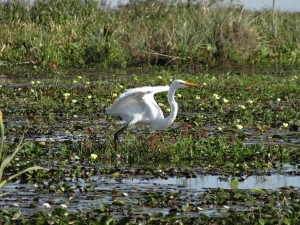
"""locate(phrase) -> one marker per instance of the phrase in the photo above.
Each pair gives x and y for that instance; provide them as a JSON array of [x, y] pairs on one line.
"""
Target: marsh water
[[30, 198]]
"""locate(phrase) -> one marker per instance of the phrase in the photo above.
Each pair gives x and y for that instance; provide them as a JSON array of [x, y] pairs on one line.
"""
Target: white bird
[[137, 105]]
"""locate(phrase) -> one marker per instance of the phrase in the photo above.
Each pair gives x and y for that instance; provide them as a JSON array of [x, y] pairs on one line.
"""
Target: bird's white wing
[[137, 104], [143, 91]]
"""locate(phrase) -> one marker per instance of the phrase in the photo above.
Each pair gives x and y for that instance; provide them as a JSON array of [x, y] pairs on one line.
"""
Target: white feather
[[137, 105]]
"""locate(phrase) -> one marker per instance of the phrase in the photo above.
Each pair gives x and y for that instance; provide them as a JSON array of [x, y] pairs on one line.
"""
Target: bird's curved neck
[[173, 105]]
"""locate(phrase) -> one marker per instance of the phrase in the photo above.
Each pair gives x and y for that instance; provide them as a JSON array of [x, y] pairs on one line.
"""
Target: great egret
[[137, 105]]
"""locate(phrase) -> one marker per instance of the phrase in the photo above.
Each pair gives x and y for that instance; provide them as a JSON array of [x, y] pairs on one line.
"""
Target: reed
[[75, 34], [5, 162]]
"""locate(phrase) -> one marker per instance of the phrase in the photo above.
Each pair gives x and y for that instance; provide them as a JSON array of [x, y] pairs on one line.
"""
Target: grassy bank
[[70, 33]]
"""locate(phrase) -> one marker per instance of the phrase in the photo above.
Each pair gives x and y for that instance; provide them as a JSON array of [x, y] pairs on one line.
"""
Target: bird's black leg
[[116, 135]]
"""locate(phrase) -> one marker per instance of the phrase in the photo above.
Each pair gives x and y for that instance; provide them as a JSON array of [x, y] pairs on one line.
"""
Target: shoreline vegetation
[[75, 33]]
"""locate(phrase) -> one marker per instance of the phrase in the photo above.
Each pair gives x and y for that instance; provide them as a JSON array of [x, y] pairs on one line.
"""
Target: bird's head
[[183, 84]]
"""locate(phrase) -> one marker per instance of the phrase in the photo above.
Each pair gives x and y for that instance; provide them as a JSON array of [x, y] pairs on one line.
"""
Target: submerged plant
[[6, 162]]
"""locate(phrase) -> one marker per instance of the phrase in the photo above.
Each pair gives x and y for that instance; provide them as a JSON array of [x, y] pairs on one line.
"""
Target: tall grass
[[73, 33]]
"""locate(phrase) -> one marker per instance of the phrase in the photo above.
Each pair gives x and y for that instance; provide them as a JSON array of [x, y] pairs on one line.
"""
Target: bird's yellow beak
[[190, 84]]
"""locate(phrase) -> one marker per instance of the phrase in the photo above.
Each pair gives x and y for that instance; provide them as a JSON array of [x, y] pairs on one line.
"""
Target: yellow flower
[[216, 96], [32, 82], [89, 96], [74, 101], [93, 156], [225, 100], [79, 77], [179, 95], [197, 97], [278, 99], [66, 95], [294, 77], [159, 77], [242, 107], [238, 126], [285, 125], [115, 95], [249, 101]]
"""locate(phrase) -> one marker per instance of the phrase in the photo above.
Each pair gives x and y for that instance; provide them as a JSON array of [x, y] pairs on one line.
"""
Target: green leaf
[[16, 215], [106, 220], [262, 221], [287, 221], [234, 183], [118, 202], [257, 191]]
